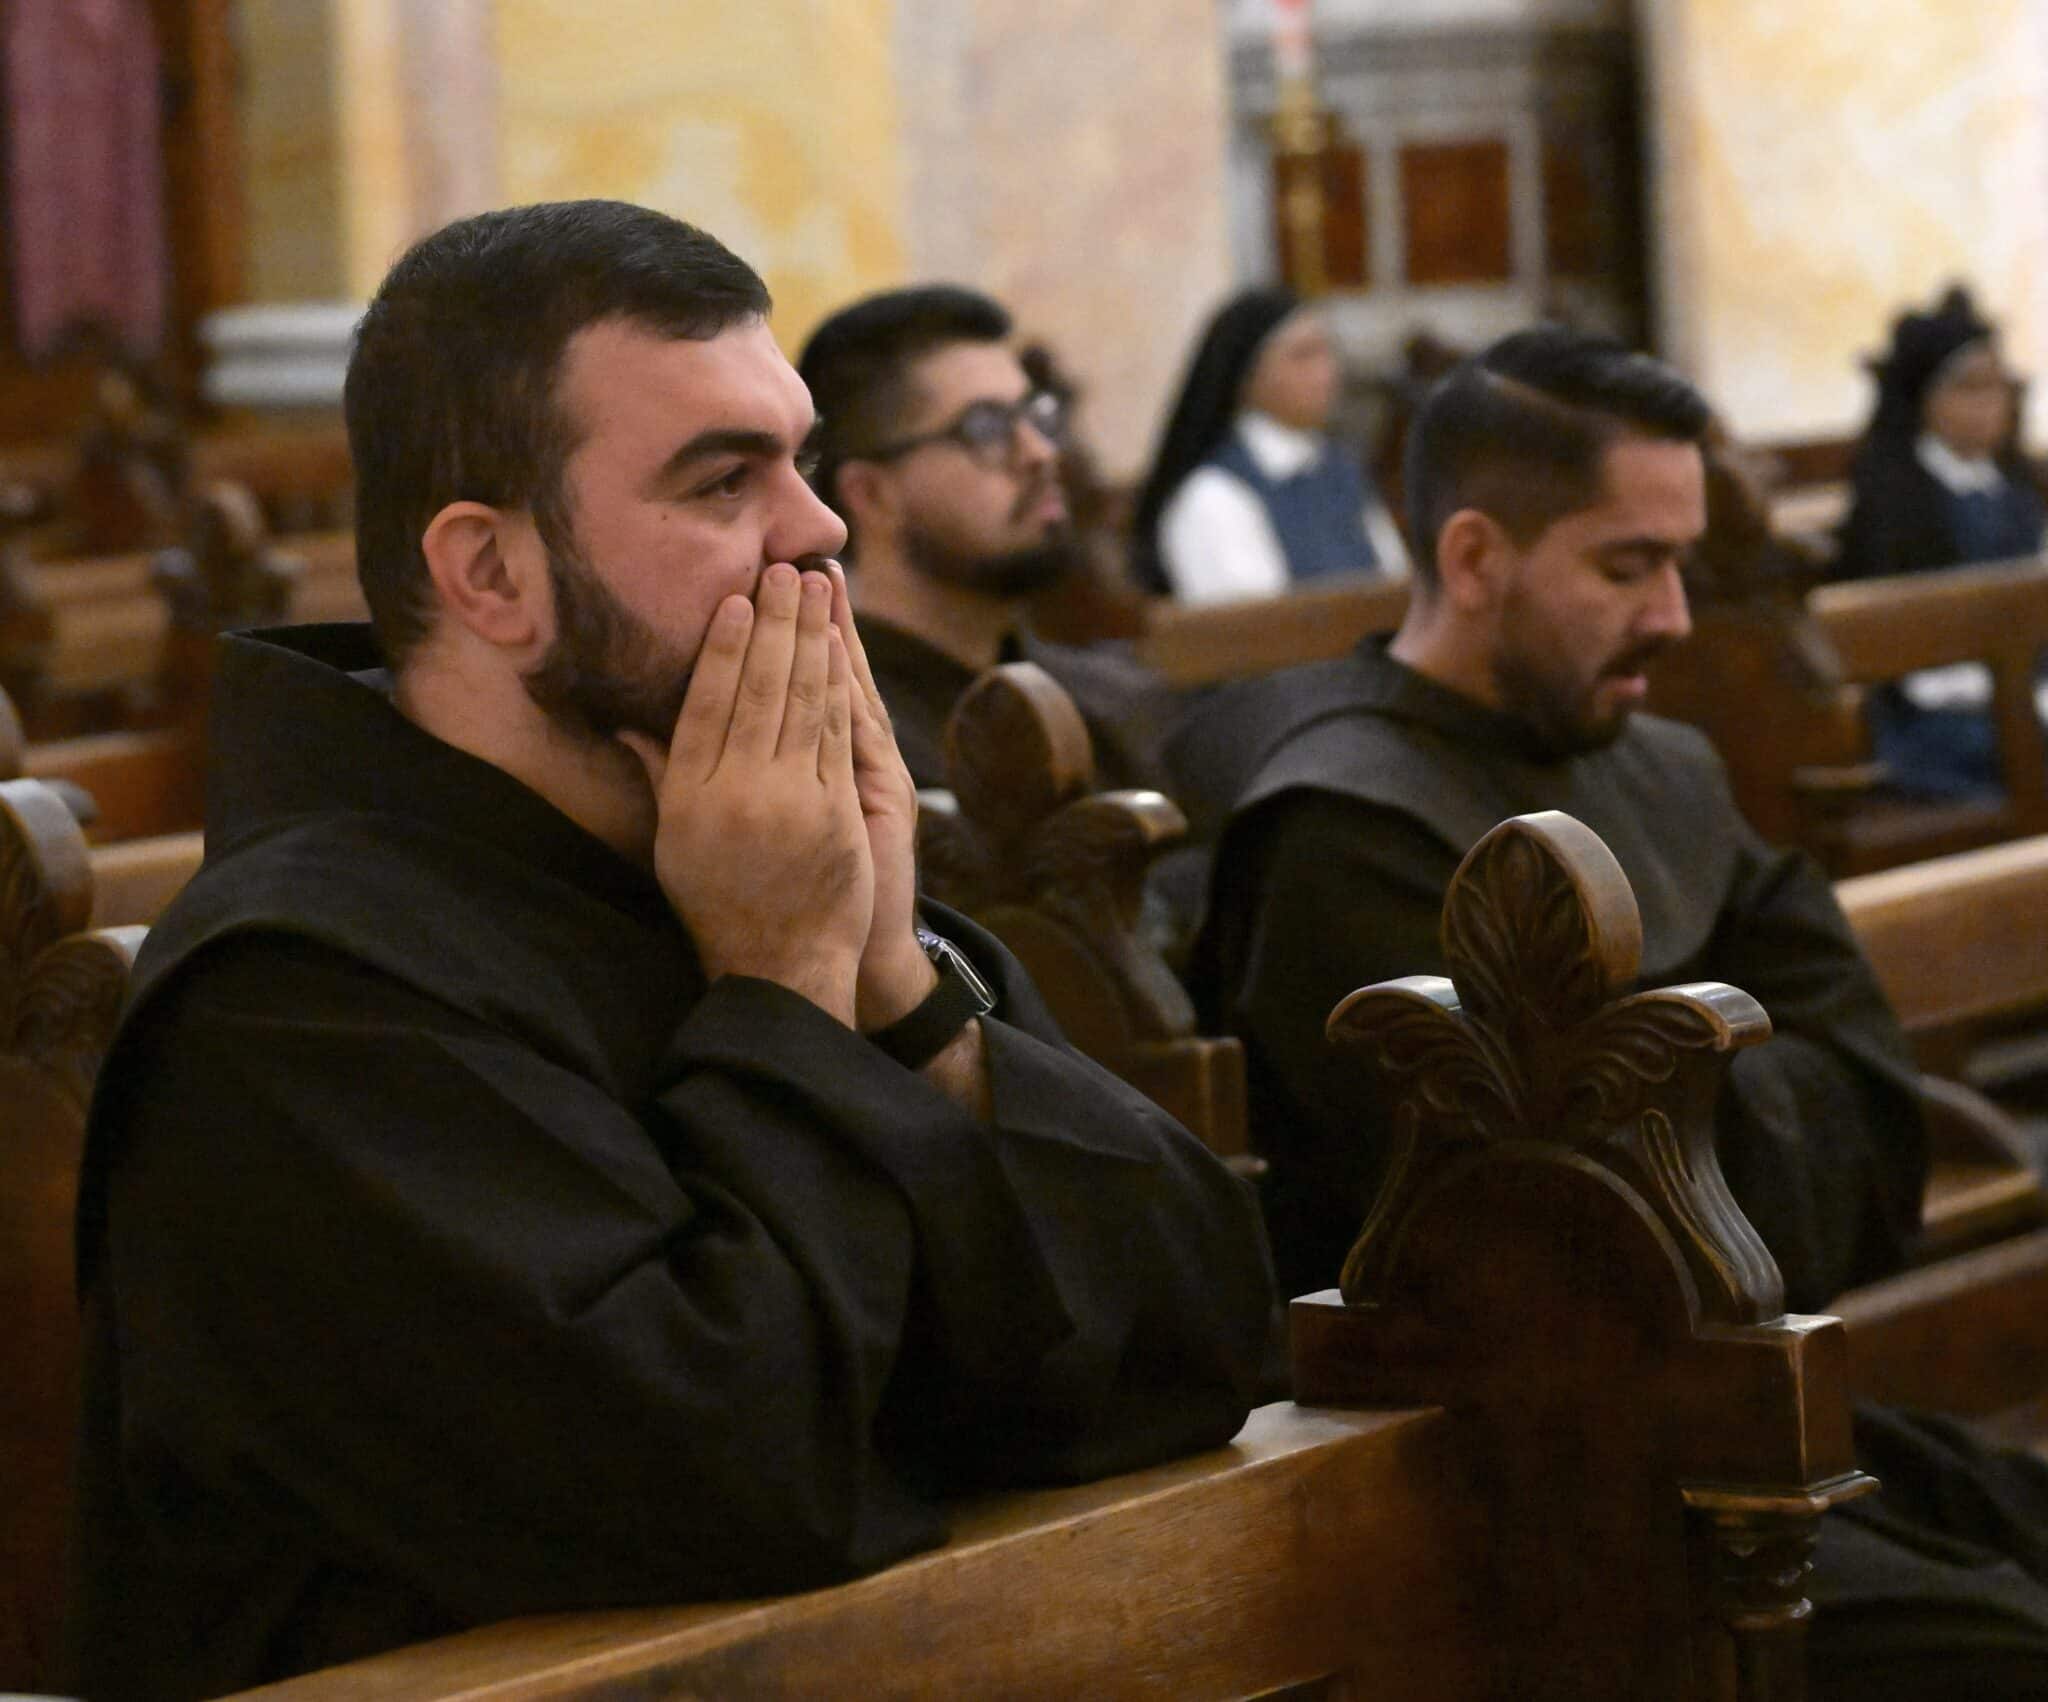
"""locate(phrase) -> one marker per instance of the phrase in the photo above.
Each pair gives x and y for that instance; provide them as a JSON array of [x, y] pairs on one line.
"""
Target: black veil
[[1202, 412]]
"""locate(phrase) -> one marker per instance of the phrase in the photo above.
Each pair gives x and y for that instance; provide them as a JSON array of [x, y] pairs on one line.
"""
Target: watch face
[[946, 955]]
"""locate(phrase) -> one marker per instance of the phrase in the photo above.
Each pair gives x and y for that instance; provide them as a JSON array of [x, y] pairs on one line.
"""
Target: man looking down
[[548, 1163], [1556, 491]]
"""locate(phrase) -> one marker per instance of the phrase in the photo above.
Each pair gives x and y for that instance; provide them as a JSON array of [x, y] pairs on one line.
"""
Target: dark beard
[[1015, 574], [606, 671], [1560, 733]]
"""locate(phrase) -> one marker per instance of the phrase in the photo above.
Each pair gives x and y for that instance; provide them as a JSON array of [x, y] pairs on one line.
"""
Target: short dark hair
[[857, 364], [1519, 431], [450, 393]]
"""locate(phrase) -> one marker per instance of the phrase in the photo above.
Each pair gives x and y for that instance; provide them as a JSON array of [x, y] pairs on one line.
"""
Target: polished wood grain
[[1204, 643], [1056, 870], [1633, 1379], [1882, 629], [60, 989]]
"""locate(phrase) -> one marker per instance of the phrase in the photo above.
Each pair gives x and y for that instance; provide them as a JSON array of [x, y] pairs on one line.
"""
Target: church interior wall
[[1819, 166], [1810, 169], [1067, 157]]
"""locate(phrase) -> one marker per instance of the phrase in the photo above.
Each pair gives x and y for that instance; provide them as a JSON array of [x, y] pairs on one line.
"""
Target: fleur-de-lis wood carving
[[1555, 1259], [1056, 870], [1538, 1037]]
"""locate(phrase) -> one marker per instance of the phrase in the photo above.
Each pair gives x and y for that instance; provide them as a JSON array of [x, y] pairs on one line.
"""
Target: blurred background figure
[[1939, 481], [1248, 495]]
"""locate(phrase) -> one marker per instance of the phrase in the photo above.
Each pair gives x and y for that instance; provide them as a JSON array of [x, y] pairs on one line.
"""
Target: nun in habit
[[1248, 496], [1939, 481]]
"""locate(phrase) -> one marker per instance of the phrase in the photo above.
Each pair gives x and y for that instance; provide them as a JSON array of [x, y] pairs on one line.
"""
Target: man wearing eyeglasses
[[942, 458]]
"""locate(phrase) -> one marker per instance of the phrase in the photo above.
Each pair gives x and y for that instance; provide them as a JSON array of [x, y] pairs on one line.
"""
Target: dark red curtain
[[85, 204]]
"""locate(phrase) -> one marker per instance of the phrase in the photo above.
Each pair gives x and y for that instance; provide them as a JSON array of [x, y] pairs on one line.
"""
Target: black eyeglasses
[[986, 430]]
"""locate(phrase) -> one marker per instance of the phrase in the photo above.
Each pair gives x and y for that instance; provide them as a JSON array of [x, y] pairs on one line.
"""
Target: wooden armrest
[[1832, 782], [1982, 1185]]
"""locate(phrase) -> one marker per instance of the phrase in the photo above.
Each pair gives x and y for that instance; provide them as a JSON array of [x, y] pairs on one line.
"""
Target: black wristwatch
[[961, 996]]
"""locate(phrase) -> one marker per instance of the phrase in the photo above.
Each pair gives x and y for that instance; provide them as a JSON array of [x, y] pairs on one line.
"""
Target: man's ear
[[490, 570], [865, 495], [1473, 554]]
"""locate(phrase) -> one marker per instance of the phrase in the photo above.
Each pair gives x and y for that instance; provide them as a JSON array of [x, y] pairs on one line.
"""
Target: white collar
[[1278, 450], [1963, 478]]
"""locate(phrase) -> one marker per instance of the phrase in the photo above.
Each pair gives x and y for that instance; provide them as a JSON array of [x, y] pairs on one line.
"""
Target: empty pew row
[[121, 483], [107, 621], [70, 631], [1203, 644], [1400, 1528]]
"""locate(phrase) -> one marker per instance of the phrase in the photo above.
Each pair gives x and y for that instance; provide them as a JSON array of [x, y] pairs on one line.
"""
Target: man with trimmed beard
[[551, 1158], [943, 459], [1556, 490]]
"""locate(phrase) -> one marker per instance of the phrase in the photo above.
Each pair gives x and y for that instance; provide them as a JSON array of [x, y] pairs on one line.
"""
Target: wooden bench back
[[132, 468], [79, 630], [1203, 644], [1056, 870], [1882, 629], [1758, 678], [63, 994], [1959, 942]]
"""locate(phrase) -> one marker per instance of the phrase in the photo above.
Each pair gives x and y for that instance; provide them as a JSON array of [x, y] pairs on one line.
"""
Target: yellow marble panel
[[290, 139], [771, 124], [378, 182], [1828, 161]]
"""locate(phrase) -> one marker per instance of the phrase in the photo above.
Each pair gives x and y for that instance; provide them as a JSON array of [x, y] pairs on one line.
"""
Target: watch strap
[[920, 1035]]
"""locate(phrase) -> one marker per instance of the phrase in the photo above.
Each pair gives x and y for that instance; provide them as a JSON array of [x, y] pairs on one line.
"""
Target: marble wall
[[773, 125], [1069, 157], [1064, 155], [1822, 163]]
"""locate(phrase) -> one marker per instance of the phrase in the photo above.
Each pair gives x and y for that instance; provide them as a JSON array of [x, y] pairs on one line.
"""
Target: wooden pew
[[1554, 1440], [1767, 683], [1964, 1336], [1056, 871], [1959, 944], [131, 472], [132, 881], [132, 641], [1761, 681], [300, 474], [1809, 489], [1882, 629], [63, 990], [1204, 644], [87, 643]]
